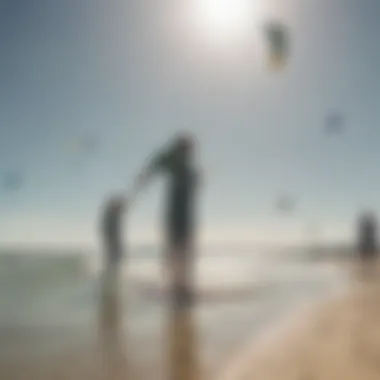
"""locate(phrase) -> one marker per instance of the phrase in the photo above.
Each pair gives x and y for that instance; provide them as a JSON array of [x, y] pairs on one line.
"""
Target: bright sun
[[226, 18]]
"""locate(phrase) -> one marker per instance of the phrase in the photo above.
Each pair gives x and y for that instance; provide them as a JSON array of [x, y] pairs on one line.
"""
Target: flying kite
[[277, 38], [12, 180], [89, 144], [334, 122], [285, 203], [81, 147]]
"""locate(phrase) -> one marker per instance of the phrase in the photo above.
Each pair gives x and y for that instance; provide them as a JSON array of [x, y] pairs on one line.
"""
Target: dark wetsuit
[[367, 238], [111, 225], [179, 217], [180, 202]]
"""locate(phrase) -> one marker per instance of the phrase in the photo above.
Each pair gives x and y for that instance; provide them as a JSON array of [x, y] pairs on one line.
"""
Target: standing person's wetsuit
[[177, 163], [368, 239], [111, 232]]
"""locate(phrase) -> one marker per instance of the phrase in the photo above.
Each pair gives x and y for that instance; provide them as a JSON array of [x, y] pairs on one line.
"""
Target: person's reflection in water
[[110, 308], [111, 334], [182, 346], [109, 314]]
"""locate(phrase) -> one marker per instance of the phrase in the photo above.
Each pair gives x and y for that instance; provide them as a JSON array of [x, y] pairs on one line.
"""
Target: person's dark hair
[[367, 218], [184, 145], [116, 201]]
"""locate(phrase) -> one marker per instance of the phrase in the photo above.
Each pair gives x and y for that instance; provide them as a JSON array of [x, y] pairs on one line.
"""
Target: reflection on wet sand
[[182, 346], [180, 339], [110, 311], [111, 333], [145, 340]]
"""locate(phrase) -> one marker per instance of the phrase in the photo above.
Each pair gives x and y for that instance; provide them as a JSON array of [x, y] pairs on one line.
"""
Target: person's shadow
[[182, 347]]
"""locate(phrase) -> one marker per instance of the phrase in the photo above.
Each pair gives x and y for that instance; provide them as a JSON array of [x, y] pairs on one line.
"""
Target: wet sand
[[337, 338], [145, 341]]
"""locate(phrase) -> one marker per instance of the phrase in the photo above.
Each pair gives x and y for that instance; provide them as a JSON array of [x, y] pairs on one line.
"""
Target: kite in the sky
[[89, 144], [285, 203], [277, 38], [12, 180], [334, 122], [81, 147]]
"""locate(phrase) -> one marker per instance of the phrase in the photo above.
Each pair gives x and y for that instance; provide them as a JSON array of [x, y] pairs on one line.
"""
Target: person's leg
[[188, 269], [367, 262], [184, 273], [111, 270], [180, 262], [174, 271]]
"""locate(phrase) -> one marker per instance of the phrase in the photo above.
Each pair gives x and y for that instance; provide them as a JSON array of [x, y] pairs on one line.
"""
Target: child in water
[[368, 241], [111, 224]]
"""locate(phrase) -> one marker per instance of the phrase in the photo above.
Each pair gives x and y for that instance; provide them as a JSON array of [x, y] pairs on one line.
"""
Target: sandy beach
[[335, 338], [134, 335]]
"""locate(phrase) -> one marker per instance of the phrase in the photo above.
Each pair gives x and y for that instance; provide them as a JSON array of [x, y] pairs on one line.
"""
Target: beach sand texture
[[338, 338], [140, 338]]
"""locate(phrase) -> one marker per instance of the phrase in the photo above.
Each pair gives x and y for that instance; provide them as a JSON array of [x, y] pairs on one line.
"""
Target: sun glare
[[226, 18]]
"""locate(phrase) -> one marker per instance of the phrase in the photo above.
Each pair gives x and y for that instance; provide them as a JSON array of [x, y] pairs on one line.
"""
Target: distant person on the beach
[[111, 224], [177, 162], [368, 239]]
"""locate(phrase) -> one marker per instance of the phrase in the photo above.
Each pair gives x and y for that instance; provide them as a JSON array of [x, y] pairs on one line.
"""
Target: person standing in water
[[110, 305], [367, 239], [111, 224], [177, 162]]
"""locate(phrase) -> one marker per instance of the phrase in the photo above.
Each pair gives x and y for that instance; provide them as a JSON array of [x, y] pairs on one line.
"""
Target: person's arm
[[141, 181], [146, 174]]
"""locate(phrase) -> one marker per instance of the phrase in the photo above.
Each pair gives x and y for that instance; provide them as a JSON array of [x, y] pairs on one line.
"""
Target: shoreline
[[137, 331], [336, 338], [290, 325]]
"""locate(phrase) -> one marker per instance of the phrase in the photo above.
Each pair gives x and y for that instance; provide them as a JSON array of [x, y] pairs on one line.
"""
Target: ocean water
[[35, 286], [50, 300]]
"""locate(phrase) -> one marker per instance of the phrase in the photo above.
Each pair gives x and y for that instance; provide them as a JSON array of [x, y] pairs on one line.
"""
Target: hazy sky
[[132, 72]]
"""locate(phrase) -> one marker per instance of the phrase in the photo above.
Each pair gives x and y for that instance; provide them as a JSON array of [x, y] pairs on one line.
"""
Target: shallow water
[[41, 288], [51, 303]]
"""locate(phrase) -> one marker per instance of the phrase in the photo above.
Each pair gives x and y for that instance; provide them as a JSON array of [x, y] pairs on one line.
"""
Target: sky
[[131, 73]]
